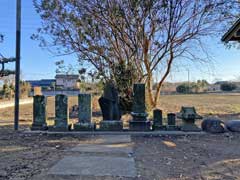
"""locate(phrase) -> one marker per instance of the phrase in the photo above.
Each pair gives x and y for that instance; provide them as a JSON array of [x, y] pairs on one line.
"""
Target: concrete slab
[[95, 166], [125, 148], [114, 139], [151, 133]]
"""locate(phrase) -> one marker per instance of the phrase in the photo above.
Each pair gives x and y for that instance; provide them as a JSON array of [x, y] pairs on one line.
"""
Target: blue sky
[[37, 63]]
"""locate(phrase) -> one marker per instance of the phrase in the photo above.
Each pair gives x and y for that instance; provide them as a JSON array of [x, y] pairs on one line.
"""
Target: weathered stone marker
[[39, 113], [233, 125], [84, 113], [171, 117], [189, 116], [139, 121], [213, 125], [157, 119], [61, 113], [109, 104]]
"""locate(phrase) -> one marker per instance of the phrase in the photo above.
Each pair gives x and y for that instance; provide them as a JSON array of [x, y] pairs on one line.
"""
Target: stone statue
[[109, 103]]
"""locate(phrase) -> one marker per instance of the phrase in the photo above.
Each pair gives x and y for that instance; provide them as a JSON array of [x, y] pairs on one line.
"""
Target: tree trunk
[[157, 95], [149, 94]]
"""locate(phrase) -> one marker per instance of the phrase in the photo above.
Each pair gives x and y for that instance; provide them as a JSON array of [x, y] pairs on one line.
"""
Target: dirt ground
[[205, 157]]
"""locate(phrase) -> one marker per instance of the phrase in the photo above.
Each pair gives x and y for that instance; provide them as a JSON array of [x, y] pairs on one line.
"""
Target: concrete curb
[[151, 133]]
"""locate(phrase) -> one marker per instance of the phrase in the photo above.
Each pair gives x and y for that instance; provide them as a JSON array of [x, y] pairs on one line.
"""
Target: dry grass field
[[225, 106]]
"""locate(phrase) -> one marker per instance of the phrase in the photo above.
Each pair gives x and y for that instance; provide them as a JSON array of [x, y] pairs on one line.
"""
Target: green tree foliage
[[6, 91], [183, 88], [193, 87], [25, 89], [141, 36], [9, 89], [228, 86]]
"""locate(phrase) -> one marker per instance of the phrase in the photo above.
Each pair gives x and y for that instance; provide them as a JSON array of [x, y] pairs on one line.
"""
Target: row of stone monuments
[[111, 114]]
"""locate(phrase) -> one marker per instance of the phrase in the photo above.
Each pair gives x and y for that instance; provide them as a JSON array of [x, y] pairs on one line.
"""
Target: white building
[[67, 81]]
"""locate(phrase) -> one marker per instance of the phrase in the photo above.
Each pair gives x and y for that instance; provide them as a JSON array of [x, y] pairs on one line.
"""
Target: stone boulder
[[233, 125], [213, 125]]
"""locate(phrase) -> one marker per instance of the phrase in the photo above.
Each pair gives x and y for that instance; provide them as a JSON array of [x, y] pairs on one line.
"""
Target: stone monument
[[139, 121], [171, 119], [61, 114], [39, 113], [188, 116], [84, 113], [157, 119], [109, 104]]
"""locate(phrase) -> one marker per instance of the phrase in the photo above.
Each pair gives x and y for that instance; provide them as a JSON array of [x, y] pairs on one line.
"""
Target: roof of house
[[232, 32], [42, 82], [67, 76]]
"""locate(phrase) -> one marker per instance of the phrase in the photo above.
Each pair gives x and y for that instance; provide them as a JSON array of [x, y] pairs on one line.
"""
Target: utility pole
[[188, 80], [18, 54]]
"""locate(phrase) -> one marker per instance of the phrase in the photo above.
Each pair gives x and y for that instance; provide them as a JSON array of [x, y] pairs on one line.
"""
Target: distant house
[[67, 81], [44, 83], [216, 87], [233, 33]]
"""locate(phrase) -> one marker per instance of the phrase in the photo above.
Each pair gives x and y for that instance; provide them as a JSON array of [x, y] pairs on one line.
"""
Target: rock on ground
[[233, 125], [213, 125]]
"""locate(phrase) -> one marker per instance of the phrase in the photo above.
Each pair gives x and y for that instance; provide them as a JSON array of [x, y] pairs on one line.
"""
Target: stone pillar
[[39, 113], [139, 121], [171, 117], [157, 119], [84, 113], [61, 113]]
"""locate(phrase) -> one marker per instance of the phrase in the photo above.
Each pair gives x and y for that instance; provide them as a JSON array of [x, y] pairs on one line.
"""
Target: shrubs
[[183, 88], [193, 87]]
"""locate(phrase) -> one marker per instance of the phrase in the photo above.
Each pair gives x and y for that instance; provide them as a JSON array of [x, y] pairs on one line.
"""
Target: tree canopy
[[131, 41]]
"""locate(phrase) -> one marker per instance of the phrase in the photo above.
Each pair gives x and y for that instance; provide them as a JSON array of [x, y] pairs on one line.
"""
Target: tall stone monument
[[61, 114], [84, 113], [139, 121], [39, 113], [109, 104]]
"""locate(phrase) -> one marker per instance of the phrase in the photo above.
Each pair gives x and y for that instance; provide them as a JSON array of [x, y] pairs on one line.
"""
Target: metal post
[[17, 73], [188, 81]]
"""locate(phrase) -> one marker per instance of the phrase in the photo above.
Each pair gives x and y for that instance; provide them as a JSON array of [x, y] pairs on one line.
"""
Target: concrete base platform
[[111, 126], [123, 148], [83, 127], [134, 133], [95, 166], [190, 128], [113, 139], [59, 129], [36, 127], [139, 125]]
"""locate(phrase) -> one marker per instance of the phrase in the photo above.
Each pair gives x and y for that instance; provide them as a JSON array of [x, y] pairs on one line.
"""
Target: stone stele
[[61, 113], [39, 113], [139, 121], [84, 113]]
